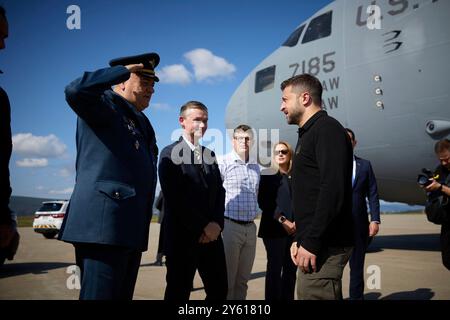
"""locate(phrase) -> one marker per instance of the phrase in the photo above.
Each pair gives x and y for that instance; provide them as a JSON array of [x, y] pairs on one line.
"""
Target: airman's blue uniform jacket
[[116, 165]]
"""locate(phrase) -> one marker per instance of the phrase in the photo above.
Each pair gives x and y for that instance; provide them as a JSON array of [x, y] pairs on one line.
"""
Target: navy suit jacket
[[193, 196], [115, 166], [365, 186]]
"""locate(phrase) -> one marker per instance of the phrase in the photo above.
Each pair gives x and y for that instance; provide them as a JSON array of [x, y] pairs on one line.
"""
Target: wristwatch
[[281, 219]]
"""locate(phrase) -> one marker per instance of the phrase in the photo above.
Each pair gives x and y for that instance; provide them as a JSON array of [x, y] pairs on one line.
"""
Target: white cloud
[[160, 106], [28, 145], [32, 163], [63, 191], [176, 73], [208, 66], [40, 188]]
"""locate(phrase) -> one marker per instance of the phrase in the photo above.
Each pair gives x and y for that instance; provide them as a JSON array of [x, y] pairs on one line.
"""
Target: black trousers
[[281, 271], [107, 272], [357, 262], [208, 259]]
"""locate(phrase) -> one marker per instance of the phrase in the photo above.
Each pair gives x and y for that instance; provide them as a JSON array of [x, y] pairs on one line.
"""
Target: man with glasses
[[240, 174]]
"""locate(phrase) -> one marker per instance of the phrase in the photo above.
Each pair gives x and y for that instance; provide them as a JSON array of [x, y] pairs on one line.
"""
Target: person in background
[[364, 187], [240, 174], [194, 204], [277, 226], [160, 206], [442, 186]]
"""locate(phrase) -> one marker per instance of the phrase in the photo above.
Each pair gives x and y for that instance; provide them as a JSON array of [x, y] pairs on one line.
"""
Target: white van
[[49, 217]]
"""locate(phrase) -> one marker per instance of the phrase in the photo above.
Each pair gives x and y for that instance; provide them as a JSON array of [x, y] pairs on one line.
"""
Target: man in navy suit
[[194, 203], [111, 206], [364, 186]]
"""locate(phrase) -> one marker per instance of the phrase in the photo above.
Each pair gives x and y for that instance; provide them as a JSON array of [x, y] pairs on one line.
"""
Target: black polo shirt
[[322, 184]]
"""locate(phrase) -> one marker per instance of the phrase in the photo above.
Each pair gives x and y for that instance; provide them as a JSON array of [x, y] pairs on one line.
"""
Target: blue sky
[[207, 48]]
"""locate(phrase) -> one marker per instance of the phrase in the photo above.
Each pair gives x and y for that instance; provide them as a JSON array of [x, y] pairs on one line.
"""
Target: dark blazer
[[365, 186], [193, 195], [116, 165], [274, 196]]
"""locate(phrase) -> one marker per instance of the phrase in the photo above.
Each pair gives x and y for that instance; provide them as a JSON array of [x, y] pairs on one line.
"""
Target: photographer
[[440, 186]]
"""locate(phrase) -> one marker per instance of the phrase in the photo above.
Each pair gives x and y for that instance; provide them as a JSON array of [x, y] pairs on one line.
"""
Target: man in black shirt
[[321, 191]]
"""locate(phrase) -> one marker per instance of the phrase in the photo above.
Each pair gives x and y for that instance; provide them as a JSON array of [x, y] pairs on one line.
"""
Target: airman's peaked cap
[[149, 60]]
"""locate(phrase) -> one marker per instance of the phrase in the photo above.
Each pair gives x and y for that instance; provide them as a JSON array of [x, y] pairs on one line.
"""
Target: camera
[[423, 178]]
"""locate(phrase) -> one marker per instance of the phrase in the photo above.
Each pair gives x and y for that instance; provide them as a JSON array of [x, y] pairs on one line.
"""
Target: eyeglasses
[[284, 151]]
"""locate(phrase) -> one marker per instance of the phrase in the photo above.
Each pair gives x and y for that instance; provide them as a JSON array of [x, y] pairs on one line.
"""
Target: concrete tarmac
[[404, 262]]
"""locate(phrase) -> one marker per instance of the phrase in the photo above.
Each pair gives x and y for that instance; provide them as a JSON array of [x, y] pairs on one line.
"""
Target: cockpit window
[[265, 79], [319, 27], [293, 38]]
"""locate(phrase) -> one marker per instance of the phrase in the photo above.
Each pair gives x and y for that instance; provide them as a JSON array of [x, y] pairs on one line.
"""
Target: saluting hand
[[134, 67]]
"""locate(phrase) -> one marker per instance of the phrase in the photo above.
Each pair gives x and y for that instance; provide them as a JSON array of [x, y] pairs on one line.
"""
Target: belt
[[238, 221]]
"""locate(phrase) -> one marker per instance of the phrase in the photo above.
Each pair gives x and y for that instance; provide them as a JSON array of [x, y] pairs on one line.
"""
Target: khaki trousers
[[326, 282], [239, 242]]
